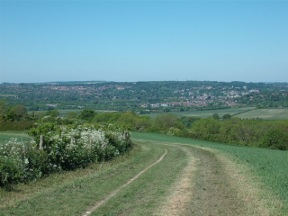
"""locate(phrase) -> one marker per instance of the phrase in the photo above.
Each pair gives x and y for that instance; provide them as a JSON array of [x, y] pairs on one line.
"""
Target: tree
[[187, 121], [215, 116], [87, 115], [71, 115], [226, 116], [206, 129], [166, 121], [17, 113], [3, 109], [53, 113], [276, 138]]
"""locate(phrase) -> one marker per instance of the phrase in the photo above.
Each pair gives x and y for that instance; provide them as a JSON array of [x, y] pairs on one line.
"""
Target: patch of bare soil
[[181, 193]]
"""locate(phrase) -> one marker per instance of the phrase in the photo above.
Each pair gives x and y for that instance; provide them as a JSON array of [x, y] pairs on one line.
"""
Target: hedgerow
[[57, 148]]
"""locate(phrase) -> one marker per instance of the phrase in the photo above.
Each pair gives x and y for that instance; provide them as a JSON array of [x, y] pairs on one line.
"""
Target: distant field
[[209, 113], [5, 136], [246, 112], [220, 112], [269, 114]]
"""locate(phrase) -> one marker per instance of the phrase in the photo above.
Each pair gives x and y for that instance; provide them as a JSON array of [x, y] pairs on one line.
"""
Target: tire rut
[[115, 192], [180, 195]]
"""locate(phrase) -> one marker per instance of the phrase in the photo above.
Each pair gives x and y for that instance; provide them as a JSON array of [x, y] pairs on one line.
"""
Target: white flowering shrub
[[58, 148], [22, 162], [12, 162], [69, 148]]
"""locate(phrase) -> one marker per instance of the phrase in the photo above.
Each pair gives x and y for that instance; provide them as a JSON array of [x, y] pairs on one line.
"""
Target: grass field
[[209, 113], [269, 114], [246, 112], [5, 136], [220, 112]]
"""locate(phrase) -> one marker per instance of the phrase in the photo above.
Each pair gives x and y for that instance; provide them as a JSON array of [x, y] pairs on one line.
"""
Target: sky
[[236, 40]]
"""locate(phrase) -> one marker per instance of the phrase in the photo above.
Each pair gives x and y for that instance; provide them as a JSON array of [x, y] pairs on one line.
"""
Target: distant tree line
[[224, 129]]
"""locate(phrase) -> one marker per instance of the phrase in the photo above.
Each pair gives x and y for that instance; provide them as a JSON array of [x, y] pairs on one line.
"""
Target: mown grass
[[71, 193], [268, 166], [5, 136]]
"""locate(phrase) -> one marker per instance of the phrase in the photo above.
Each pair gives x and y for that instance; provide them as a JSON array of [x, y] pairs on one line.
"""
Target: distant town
[[144, 97]]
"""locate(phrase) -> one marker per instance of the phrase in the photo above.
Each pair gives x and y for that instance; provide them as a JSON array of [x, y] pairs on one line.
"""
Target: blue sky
[[43, 41]]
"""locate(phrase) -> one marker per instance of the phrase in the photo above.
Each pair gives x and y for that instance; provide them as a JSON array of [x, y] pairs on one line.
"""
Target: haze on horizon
[[46, 41]]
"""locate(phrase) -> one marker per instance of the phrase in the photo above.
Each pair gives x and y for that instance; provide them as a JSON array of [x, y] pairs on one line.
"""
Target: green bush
[[38, 164], [12, 162], [276, 138]]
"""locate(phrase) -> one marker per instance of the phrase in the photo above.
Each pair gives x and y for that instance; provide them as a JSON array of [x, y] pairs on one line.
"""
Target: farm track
[[212, 192], [204, 188]]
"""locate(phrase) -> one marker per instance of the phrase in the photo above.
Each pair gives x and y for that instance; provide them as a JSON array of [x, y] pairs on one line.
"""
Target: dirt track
[[213, 193], [204, 187], [207, 187]]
